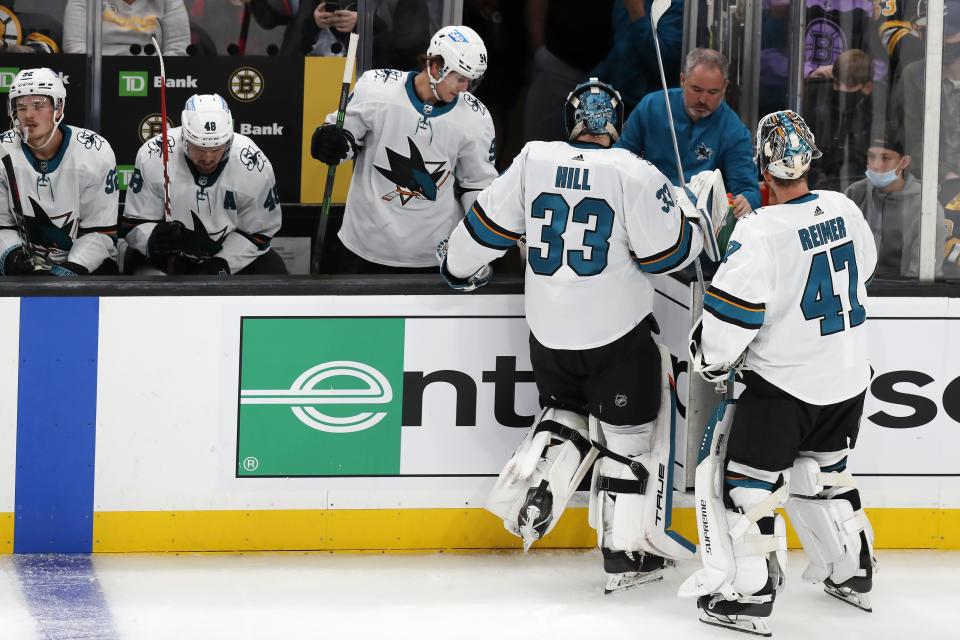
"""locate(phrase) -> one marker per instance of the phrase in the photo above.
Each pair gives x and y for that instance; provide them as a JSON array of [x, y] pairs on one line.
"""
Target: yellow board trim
[[322, 81], [419, 530], [6, 533]]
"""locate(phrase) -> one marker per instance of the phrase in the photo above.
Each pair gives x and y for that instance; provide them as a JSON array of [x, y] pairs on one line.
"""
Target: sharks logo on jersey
[[153, 147], [413, 177], [51, 231], [89, 139], [252, 158], [704, 152], [386, 75], [199, 242]]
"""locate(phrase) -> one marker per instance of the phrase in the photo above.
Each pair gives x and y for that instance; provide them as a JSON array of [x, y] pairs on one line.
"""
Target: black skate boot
[[628, 569], [747, 614], [535, 514]]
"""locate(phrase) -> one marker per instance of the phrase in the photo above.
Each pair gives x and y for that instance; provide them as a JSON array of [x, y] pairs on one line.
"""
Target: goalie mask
[[462, 51], [37, 82], [593, 108], [206, 121], [785, 146]]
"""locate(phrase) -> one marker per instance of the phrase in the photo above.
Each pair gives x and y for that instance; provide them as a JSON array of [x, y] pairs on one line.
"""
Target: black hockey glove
[[212, 266], [166, 239], [68, 270], [330, 144], [17, 263]]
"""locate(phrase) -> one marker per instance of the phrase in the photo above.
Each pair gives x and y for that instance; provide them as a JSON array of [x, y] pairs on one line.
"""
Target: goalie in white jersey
[[789, 294], [599, 223], [223, 200], [64, 222], [418, 140]]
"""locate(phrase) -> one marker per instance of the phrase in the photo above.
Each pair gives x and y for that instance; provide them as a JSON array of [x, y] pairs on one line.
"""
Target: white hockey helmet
[[462, 51], [206, 121], [38, 82], [785, 146]]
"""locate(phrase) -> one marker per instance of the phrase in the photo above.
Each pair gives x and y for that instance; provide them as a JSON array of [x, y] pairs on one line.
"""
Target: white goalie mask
[[462, 51], [37, 82], [206, 121], [785, 146]]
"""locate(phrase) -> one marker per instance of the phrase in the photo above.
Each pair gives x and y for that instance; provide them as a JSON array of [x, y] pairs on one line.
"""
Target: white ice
[[489, 596]]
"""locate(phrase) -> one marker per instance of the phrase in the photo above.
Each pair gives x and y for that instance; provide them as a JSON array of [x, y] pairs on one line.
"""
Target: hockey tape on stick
[[321, 235]]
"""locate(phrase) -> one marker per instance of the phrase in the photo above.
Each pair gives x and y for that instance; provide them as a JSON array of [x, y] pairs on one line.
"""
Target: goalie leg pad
[[543, 473], [743, 545], [631, 495], [825, 510]]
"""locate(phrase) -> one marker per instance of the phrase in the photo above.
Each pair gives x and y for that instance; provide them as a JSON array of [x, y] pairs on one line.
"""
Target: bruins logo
[[246, 84], [151, 126]]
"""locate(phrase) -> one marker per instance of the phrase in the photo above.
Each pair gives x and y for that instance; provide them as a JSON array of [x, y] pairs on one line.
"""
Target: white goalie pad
[[733, 550], [829, 529], [543, 473], [631, 496]]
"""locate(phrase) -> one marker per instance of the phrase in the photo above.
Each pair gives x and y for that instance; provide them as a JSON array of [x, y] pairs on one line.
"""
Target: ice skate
[[848, 594], [736, 615], [535, 514], [629, 569]]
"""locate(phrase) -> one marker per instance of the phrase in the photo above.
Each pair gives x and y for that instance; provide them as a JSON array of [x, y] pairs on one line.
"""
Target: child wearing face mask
[[889, 198]]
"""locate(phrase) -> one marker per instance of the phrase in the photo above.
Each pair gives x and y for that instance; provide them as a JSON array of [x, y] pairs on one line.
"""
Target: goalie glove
[[479, 278], [701, 219], [716, 373]]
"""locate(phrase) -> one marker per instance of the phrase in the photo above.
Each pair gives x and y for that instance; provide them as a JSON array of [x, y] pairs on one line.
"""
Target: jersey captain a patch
[[412, 176]]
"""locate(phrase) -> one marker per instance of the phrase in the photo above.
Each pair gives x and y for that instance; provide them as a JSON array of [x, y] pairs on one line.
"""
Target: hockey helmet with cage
[[785, 146], [38, 82], [594, 108], [206, 121], [462, 50]]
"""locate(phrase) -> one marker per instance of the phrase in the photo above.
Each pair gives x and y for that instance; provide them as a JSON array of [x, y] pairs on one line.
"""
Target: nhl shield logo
[[620, 400]]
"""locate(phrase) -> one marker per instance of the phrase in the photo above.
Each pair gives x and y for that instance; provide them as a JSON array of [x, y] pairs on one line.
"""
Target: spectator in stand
[[709, 133], [313, 28], [889, 198], [631, 65], [910, 107], [562, 58], [841, 111], [28, 32], [129, 23]]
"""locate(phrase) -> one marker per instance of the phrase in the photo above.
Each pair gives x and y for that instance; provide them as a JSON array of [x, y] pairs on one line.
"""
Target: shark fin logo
[[51, 231], [414, 178], [315, 388]]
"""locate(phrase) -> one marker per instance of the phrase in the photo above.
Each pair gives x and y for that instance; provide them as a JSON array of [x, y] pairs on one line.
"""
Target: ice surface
[[489, 596]]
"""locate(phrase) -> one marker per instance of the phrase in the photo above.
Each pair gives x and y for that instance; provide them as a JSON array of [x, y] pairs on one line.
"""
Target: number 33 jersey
[[792, 291], [598, 223]]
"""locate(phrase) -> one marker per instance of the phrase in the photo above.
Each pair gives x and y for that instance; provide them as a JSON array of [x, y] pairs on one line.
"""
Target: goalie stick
[[321, 235]]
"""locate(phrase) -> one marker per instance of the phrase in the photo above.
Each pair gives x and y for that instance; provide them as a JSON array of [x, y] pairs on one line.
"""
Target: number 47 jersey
[[792, 291], [598, 223]]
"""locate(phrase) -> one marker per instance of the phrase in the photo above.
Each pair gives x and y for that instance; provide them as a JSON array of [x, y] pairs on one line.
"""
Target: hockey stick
[[164, 150], [657, 9], [18, 210], [321, 235], [244, 30]]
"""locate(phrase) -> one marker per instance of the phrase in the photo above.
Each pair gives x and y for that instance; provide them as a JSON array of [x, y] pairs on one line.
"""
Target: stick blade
[[657, 10]]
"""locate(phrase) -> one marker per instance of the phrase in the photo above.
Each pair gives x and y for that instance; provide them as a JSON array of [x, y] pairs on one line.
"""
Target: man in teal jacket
[[709, 133]]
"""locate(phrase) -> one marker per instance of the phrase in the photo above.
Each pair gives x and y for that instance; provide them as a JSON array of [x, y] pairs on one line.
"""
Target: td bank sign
[[329, 396]]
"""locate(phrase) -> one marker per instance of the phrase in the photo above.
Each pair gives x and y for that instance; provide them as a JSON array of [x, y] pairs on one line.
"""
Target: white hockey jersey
[[69, 202], [598, 222], [234, 212], [791, 290], [402, 201]]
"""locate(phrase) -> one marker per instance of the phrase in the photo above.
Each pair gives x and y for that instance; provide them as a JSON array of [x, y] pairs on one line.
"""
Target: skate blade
[[859, 600], [620, 582], [743, 624]]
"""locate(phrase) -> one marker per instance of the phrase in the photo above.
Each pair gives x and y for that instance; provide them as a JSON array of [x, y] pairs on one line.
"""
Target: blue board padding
[[56, 425]]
